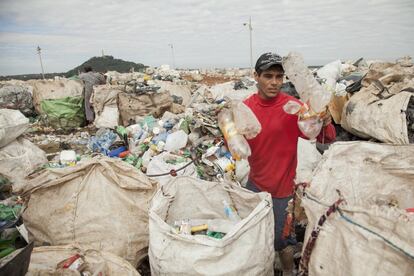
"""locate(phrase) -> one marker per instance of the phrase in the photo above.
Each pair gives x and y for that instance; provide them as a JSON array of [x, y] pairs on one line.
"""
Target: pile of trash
[[174, 143]]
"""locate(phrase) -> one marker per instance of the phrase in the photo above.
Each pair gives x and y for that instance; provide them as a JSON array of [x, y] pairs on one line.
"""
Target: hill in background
[[107, 63], [99, 64]]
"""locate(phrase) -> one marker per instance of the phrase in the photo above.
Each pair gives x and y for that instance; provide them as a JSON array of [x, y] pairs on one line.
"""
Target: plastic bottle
[[68, 157], [176, 141], [311, 127], [230, 212], [309, 89], [102, 141], [246, 122], [237, 144]]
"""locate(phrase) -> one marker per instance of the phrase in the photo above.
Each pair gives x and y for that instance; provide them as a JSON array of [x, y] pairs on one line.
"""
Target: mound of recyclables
[[185, 144]]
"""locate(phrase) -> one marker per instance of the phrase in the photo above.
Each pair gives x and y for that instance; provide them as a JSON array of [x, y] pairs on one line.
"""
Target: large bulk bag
[[384, 108], [45, 259], [12, 124], [105, 105], [246, 249], [132, 105], [100, 204], [54, 89], [64, 113], [371, 232], [19, 158], [17, 95], [182, 91]]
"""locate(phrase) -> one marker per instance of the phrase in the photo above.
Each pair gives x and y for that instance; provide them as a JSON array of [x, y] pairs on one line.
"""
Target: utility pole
[[172, 53], [41, 63], [251, 44]]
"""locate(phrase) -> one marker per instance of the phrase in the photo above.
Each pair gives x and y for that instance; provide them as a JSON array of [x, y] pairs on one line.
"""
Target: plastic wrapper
[[245, 120], [236, 142]]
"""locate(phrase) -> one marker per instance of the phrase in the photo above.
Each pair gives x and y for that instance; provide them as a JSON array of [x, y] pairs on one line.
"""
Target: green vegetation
[[107, 63], [99, 64]]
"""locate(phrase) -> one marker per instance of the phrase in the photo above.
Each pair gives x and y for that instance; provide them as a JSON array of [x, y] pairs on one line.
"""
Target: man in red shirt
[[274, 150]]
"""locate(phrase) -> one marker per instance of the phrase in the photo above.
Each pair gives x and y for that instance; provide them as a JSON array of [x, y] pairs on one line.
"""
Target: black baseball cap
[[267, 60]]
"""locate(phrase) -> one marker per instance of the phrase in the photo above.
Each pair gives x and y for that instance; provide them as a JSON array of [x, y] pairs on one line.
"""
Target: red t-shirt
[[274, 150]]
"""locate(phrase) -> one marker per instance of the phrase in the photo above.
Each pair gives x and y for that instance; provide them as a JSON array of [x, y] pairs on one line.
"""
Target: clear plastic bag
[[236, 142], [307, 86], [245, 120]]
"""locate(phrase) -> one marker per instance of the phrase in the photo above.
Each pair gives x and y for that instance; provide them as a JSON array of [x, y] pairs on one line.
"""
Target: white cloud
[[204, 33]]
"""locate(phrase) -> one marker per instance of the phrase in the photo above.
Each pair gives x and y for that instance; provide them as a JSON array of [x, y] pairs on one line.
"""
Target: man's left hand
[[326, 118]]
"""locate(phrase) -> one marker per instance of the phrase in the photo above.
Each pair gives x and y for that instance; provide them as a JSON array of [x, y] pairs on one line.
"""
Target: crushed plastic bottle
[[101, 142], [308, 88], [236, 142]]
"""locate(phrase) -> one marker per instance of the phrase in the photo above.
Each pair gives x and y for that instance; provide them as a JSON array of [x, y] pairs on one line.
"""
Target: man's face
[[269, 82]]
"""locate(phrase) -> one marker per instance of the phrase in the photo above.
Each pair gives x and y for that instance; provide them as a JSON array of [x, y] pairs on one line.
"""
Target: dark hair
[[87, 68], [277, 67]]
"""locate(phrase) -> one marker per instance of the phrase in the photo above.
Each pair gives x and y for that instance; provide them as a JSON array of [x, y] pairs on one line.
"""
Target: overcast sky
[[204, 33]]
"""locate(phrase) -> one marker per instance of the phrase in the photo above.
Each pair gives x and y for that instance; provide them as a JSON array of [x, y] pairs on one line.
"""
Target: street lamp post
[[251, 44], [41, 63], [172, 53]]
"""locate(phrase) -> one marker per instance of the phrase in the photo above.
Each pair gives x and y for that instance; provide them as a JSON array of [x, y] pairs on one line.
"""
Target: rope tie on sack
[[304, 262]]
